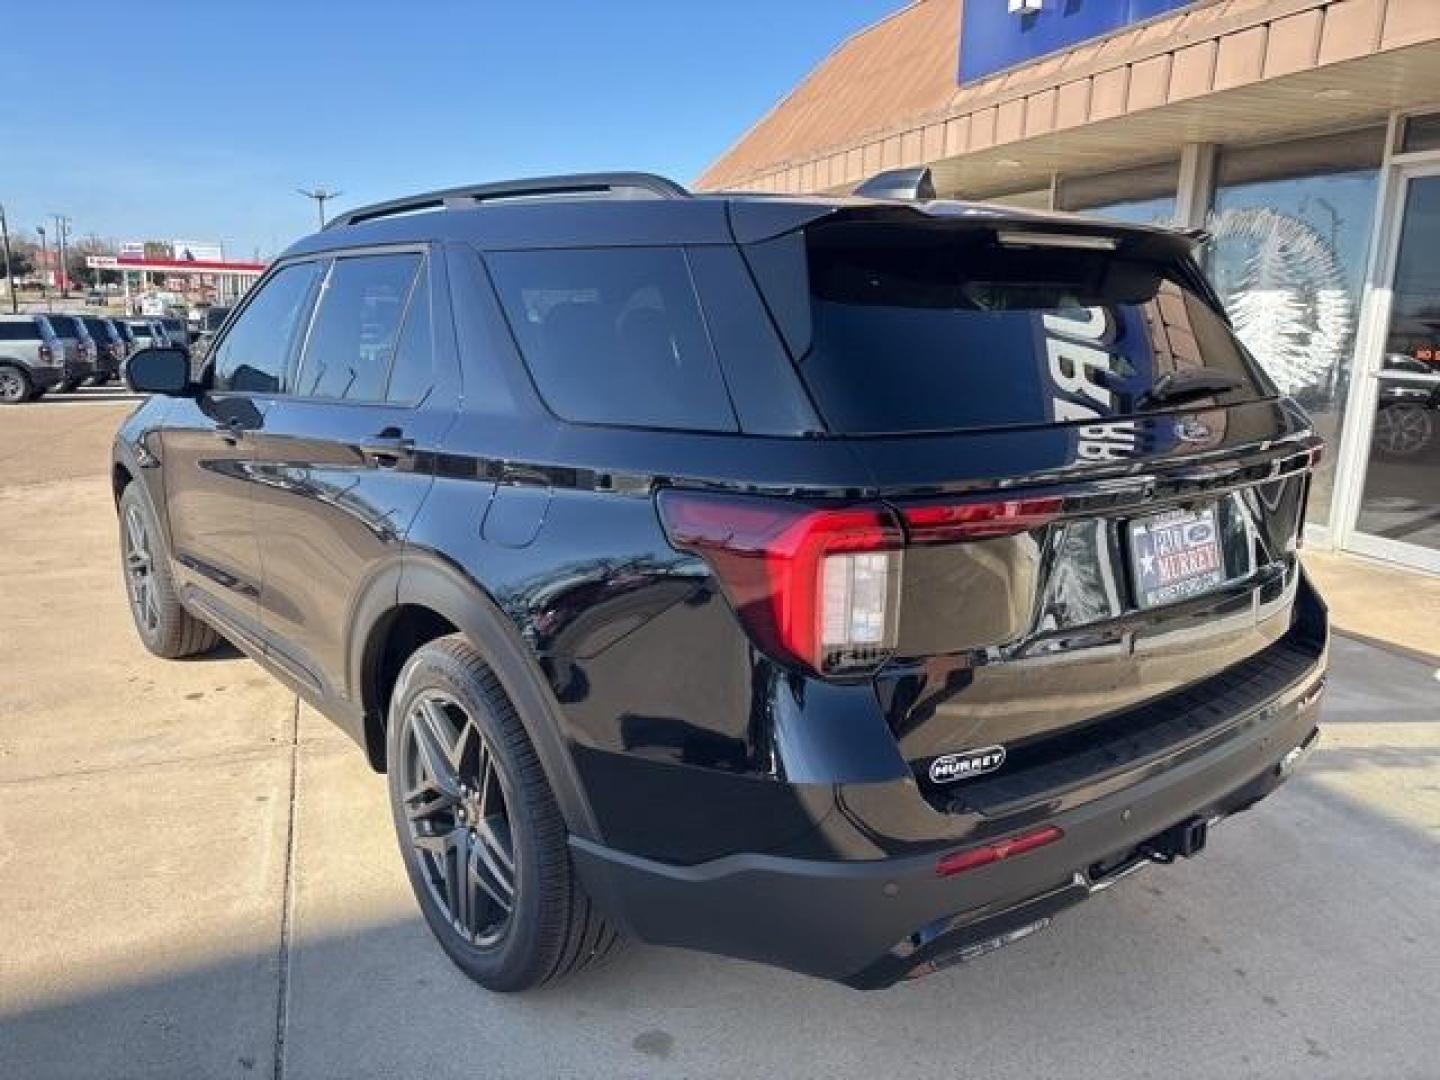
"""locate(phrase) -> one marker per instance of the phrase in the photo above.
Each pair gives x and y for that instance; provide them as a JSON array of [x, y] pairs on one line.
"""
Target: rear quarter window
[[614, 336], [19, 331]]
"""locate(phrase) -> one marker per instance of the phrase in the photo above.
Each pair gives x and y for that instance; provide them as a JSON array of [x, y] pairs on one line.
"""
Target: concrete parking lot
[[198, 878]]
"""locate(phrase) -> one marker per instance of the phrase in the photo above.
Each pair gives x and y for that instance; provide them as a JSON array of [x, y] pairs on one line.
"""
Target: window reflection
[[1292, 225], [1401, 498]]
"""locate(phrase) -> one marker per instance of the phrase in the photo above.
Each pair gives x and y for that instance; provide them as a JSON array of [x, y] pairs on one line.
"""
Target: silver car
[[32, 358], [80, 351]]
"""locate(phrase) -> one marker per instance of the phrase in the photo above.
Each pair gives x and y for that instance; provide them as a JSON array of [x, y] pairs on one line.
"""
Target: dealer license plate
[[1175, 556]]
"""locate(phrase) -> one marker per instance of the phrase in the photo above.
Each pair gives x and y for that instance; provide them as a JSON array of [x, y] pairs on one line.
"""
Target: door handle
[[232, 431], [386, 451]]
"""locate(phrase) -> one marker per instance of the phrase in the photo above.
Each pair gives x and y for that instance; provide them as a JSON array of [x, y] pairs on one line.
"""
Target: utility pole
[[44, 260], [62, 225], [9, 271], [321, 196]]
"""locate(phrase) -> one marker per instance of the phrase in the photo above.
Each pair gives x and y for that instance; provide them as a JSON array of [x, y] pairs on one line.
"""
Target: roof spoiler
[[914, 184], [621, 185]]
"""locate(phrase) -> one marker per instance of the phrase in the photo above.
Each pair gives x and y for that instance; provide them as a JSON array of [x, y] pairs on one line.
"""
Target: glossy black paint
[[312, 532]]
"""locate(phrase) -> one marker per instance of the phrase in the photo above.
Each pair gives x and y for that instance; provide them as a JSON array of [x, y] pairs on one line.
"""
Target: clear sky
[[197, 119]]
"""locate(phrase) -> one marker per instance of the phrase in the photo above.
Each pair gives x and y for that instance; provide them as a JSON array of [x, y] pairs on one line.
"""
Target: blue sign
[[994, 37]]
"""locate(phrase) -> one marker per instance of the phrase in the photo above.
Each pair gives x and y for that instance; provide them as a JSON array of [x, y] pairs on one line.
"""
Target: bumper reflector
[[957, 862]]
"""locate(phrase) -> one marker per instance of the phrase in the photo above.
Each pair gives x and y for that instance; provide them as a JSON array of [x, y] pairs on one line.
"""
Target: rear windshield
[[915, 328]]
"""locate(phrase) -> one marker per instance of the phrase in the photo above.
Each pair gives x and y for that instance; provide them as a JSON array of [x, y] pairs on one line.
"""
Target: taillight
[[940, 523], [45, 353], [817, 585]]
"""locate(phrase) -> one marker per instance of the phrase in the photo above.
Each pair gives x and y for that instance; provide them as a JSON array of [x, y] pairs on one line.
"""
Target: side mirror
[[160, 371]]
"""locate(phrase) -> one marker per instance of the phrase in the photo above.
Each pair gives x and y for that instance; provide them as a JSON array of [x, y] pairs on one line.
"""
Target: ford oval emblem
[[947, 768], [1192, 429]]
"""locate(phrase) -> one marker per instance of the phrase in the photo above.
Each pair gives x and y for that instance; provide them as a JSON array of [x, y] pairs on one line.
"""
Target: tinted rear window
[[17, 330], [67, 326], [614, 336], [920, 328]]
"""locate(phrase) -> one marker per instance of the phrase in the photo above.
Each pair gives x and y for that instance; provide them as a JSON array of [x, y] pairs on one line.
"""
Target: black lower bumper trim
[[871, 923]]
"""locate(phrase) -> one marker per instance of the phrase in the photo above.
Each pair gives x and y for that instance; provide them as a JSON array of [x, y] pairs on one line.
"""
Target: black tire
[[16, 386], [164, 626], [551, 929]]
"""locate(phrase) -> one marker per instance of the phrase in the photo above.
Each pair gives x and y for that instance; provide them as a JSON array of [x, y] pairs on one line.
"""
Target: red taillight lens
[[818, 585], [957, 862], [940, 523], [45, 353]]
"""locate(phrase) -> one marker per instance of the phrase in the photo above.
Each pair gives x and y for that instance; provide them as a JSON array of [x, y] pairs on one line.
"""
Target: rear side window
[[68, 326], [254, 353], [933, 328], [352, 339], [614, 336], [19, 331]]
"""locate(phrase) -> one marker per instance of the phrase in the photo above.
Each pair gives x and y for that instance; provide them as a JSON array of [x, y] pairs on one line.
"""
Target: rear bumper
[[78, 369], [43, 378], [871, 923]]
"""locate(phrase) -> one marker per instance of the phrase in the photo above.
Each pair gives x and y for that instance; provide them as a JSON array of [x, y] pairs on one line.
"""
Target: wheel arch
[[433, 598]]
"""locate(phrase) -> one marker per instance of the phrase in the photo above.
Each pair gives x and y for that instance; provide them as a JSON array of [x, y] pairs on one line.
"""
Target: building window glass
[[1291, 224], [1143, 196], [1421, 133]]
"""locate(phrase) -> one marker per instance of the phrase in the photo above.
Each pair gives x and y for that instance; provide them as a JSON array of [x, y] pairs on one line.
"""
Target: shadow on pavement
[[1287, 949]]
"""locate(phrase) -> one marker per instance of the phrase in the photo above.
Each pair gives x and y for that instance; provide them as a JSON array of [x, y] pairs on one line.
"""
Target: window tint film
[[941, 329], [68, 326], [253, 354], [352, 340], [413, 371], [19, 331], [614, 336]]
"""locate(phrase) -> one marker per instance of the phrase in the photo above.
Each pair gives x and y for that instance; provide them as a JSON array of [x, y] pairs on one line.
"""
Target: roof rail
[[619, 185]]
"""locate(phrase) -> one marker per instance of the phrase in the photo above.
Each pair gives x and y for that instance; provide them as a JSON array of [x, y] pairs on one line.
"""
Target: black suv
[[847, 584]]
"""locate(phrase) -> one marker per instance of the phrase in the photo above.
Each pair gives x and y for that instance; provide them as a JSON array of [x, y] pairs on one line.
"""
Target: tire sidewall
[[134, 496], [27, 387], [507, 963]]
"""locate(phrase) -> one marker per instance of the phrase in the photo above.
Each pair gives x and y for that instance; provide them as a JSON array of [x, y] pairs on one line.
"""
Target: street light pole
[[9, 270], [321, 196]]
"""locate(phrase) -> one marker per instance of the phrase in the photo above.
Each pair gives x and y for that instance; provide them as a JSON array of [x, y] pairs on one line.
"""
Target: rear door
[[349, 450], [1101, 492]]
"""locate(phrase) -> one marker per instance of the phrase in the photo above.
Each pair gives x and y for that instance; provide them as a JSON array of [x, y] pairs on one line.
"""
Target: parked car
[[79, 349], [109, 349], [177, 332], [32, 358], [147, 332], [126, 334], [210, 322], [846, 584]]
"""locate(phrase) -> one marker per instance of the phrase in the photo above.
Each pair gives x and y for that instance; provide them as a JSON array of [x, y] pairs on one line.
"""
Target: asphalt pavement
[[198, 878]]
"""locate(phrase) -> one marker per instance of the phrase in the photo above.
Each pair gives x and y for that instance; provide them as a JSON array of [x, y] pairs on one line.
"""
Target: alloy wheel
[[456, 807], [140, 571], [12, 385], [1403, 430]]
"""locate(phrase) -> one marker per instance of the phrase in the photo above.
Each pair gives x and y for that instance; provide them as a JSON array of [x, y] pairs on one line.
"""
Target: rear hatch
[[1100, 492]]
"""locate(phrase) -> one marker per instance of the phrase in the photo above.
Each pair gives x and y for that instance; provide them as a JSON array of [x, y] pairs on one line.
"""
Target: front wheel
[[483, 840], [164, 626]]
